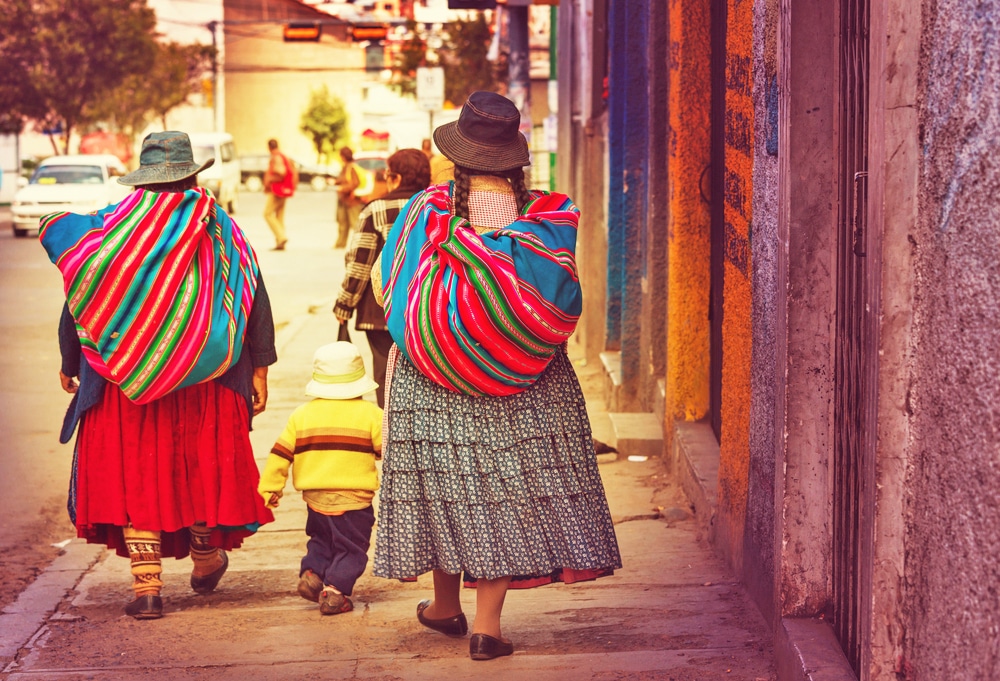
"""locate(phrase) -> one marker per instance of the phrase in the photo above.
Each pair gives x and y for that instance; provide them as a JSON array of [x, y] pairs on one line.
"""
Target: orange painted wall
[[687, 387], [737, 292]]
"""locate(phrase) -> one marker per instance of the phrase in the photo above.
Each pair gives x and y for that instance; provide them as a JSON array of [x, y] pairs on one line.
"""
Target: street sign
[[430, 88]]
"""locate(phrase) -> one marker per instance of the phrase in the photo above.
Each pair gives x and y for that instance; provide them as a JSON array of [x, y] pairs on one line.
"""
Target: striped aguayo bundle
[[160, 286], [482, 314]]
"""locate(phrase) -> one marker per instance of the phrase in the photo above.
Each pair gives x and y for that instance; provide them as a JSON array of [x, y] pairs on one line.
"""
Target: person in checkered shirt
[[408, 172]]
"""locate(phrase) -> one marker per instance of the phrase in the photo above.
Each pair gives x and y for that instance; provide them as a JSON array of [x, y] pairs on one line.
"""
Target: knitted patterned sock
[[144, 551], [205, 556]]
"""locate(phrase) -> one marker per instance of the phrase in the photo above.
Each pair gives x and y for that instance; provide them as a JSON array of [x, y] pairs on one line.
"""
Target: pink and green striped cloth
[[160, 285], [482, 314]]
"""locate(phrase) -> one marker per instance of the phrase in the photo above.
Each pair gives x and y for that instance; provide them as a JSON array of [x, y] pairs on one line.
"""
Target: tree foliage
[[325, 122], [16, 56], [464, 58], [68, 64], [412, 54], [176, 73], [463, 55]]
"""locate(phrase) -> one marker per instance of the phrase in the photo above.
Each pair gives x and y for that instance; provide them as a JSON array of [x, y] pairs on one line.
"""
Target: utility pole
[[519, 76], [552, 122], [215, 76]]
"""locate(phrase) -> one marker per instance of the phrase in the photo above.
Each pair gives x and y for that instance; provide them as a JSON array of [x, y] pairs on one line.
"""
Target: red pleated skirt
[[166, 465]]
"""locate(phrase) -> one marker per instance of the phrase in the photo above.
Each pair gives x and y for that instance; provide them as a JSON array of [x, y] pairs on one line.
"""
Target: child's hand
[[273, 501]]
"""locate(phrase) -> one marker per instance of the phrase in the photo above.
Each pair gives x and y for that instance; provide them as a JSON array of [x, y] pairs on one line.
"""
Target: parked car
[[223, 177], [253, 166], [78, 184], [319, 177]]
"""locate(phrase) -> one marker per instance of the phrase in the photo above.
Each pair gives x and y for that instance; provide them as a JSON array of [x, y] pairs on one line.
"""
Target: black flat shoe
[[485, 647], [145, 608], [207, 583], [450, 626]]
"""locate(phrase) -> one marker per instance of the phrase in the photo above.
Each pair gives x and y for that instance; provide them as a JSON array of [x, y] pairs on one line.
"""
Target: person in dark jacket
[[167, 363], [408, 172]]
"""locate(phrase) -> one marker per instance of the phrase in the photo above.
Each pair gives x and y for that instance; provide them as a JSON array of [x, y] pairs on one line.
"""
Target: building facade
[[788, 247], [267, 82]]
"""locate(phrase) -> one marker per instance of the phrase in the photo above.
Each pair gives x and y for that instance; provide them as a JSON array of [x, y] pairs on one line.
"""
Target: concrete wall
[[953, 540], [804, 313], [628, 161], [580, 163], [688, 154], [759, 531], [894, 161], [737, 343], [269, 82], [653, 340]]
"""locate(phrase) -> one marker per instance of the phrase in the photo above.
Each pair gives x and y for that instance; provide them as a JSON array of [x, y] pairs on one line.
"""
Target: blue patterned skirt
[[492, 486]]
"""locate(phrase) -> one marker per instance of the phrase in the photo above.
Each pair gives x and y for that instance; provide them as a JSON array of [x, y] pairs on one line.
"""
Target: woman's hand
[[259, 390], [68, 383]]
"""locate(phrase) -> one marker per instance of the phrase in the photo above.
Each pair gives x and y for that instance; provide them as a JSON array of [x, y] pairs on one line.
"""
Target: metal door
[[856, 348]]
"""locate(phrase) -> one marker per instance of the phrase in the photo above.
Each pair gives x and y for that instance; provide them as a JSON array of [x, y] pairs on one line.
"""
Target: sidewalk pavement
[[673, 611]]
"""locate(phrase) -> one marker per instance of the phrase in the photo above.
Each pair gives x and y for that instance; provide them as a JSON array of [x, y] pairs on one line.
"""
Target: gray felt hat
[[165, 157]]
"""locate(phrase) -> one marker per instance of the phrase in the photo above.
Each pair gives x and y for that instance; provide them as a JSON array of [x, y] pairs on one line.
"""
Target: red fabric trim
[[564, 575], [181, 459]]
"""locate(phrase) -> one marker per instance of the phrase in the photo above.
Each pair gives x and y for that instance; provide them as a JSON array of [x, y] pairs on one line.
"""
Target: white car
[[76, 184], [223, 177]]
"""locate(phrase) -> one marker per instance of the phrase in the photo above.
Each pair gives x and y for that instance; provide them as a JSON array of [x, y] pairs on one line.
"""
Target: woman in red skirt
[[166, 337]]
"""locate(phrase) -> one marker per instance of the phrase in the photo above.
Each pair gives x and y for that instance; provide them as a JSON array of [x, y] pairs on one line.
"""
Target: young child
[[331, 444]]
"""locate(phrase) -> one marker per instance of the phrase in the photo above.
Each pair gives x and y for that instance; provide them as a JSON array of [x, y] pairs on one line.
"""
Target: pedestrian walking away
[[167, 363], [348, 203], [331, 444], [489, 468], [281, 179], [408, 172]]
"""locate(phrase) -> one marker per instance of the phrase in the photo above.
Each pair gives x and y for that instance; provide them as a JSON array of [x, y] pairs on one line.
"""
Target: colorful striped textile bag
[[160, 286], [481, 314]]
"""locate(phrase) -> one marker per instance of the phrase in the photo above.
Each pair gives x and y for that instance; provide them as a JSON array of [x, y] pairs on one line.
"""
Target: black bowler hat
[[486, 135]]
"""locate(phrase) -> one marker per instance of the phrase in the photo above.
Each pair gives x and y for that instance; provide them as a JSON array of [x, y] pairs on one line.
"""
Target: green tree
[[325, 122], [464, 58], [463, 55], [18, 99], [176, 73], [412, 54], [72, 54]]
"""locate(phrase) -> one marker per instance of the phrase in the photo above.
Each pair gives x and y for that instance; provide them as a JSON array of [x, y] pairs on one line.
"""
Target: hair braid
[[516, 177], [460, 196]]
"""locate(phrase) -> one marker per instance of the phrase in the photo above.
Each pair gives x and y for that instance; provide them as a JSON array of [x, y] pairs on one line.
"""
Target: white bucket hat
[[339, 373]]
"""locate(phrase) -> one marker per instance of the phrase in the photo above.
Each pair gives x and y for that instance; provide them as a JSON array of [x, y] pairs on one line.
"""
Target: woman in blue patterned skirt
[[503, 488]]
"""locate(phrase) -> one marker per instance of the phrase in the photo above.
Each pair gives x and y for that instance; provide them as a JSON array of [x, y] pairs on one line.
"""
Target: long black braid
[[463, 177], [516, 177], [460, 196]]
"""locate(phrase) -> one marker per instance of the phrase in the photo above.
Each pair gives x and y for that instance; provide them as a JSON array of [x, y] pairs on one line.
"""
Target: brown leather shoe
[[206, 584], [450, 626], [333, 602], [310, 586], [145, 608], [485, 647]]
